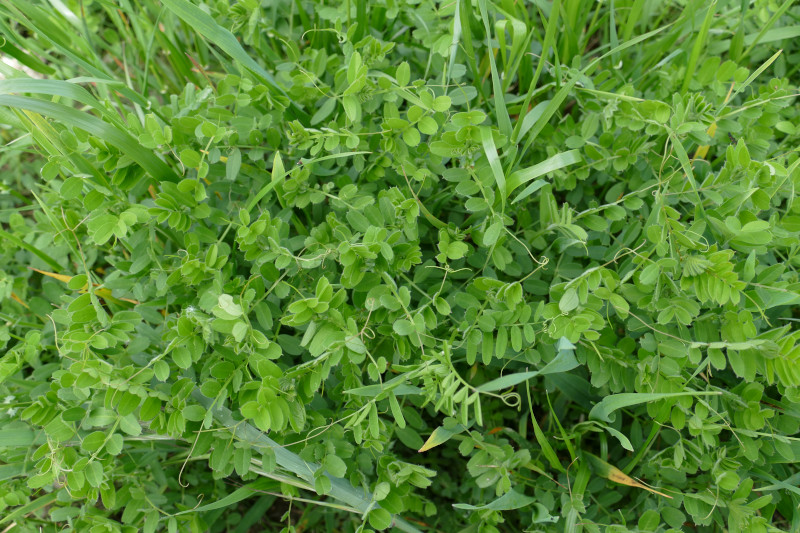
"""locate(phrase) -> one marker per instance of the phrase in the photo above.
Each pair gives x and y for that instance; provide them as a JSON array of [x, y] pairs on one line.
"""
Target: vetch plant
[[468, 266]]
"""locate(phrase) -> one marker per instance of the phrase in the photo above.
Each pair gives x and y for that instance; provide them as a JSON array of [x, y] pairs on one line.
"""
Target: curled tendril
[[627, 251], [705, 241], [314, 30], [511, 399]]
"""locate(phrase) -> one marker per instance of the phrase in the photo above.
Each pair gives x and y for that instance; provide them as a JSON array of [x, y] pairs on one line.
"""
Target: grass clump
[[463, 266]]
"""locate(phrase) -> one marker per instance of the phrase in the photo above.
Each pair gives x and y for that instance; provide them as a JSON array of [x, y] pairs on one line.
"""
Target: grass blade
[[503, 120], [240, 494], [698, 46], [634, 16], [544, 444], [532, 116], [549, 111], [683, 157], [254, 513], [278, 173], [612, 473], [563, 362], [454, 43], [750, 79], [612, 32], [439, 436], [549, 38], [775, 34], [206, 26], [520, 177], [122, 140], [63, 41], [17, 437], [636, 40], [38, 503], [752, 41], [341, 489], [490, 150], [64, 89], [509, 501], [8, 48], [609, 404], [465, 14], [32, 249]]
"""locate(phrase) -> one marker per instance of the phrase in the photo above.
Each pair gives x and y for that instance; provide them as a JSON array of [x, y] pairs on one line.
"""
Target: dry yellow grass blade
[[612, 473], [702, 151], [59, 277], [101, 292], [19, 300]]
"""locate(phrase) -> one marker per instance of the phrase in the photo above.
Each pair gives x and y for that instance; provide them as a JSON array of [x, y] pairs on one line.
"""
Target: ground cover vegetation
[[470, 265]]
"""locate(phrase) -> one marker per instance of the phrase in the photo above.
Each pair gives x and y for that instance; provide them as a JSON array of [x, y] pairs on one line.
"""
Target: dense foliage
[[336, 266]]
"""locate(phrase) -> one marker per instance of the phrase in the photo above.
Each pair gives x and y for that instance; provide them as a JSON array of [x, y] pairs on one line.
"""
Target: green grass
[[480, 266]]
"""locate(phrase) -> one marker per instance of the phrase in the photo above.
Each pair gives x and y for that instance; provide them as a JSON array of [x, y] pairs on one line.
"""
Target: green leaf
[[102, 228], [353, 67], [568, 301], [442, 103], [233, 164], [493, 233], [107, 132], [503, 120], [563, 362], [609, 404], [13, 437], [228, 306], [427, 125], [182, 357], [206, 26], [114, 444], [411, 136], [93, 441], [441, 435], [335, 466], [489, 149], [380, 519], [130, 425], [28, 508], [194, 413], [521, 177], [190, 158], [403, 327], [240, 494], [507, 502], [457, 250], [150, 408], [397, 412], [352, 108], [403, 74], [322, 485], [442, 307], [324, 111]]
